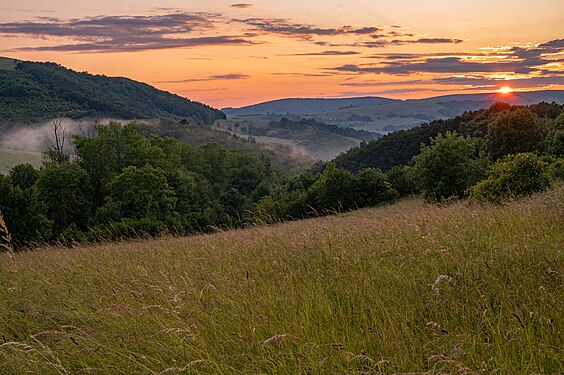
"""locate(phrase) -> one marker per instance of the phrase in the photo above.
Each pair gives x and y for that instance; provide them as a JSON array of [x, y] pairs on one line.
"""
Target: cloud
[[517, 82], [303, 74], [436, 40], [381, 41], [218, 77], [124, 33], [242, 5], [280, 26], [182, 29], [323, 53], [517, 60], [372, 83]]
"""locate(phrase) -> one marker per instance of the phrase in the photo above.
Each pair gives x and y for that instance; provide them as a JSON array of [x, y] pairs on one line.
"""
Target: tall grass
[[397, 289]]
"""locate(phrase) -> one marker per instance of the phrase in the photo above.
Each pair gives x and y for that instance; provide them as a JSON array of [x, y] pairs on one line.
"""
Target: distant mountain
[[32, 92], [387, 115], [305, 105]]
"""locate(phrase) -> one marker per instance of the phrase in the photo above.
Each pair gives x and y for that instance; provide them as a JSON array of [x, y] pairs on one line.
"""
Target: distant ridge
[[296, 106], [386, 115], [33, 91]]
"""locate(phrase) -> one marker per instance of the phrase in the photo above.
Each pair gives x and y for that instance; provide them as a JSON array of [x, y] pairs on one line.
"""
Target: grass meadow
[[10, 158], [404, 288]]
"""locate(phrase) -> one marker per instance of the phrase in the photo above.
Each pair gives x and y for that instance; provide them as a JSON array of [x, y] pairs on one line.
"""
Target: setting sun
[[505, 90]]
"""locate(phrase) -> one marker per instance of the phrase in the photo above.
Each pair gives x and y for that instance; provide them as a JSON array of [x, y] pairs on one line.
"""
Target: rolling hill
[[387, 115], [305, 105], [32, 92]]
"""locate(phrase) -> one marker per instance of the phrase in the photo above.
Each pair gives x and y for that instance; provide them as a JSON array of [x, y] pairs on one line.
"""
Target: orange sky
[[231, 54]]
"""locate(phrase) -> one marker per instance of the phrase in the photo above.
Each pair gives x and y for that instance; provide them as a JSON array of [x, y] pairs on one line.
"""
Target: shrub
[[514, 176], [449, 166], [401, 178]]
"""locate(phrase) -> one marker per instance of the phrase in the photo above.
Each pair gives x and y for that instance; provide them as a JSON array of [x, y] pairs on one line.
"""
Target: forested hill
[[399, 147], [32, 92]]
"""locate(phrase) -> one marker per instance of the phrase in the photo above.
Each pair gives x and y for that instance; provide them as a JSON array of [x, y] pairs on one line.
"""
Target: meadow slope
[[409, 287]]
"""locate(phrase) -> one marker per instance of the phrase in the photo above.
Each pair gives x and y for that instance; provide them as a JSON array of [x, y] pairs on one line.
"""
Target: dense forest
[[123, 182], [32, 92], [399, 147]]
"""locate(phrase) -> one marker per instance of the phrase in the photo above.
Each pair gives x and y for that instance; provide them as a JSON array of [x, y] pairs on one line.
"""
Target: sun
[[505, 90]]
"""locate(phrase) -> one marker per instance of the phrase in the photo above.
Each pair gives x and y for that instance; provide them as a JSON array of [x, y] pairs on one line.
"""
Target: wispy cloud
[[516, 60], [242, 5], [218, 77], [124, 33], [323, 53], [281, 26], [181, 29]]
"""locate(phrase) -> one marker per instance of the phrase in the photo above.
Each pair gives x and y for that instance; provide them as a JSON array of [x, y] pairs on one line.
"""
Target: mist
[[34, 137]]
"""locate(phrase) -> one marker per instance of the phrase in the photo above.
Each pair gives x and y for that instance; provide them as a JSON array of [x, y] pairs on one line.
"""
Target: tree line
[[122, 182]]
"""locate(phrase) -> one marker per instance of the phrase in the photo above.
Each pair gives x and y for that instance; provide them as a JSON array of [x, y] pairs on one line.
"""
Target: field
[[11, 158], [405, 288]]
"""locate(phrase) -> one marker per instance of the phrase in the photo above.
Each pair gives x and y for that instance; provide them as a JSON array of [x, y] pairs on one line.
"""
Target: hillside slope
[[407, 288], [32, 92], [399, 147]]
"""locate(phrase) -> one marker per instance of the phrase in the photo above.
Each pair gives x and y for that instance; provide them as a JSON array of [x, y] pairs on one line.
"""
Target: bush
[[514, 176], [449, 166], [401, 178]]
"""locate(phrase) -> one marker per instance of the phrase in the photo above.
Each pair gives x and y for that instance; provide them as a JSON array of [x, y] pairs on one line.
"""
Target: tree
[[401, 178], [24, 176], [514, 176], [515, 130], [334, 190], [372, 187], [110, 151], [24, 213], [56, 142], [67, 192], [139, 193], [449, 166], [555, 137]]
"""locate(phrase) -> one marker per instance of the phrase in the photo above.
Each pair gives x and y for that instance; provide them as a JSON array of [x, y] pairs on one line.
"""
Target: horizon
[[230, 54]]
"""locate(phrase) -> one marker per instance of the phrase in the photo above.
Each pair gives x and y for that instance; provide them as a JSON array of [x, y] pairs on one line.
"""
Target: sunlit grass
[[402, 288]]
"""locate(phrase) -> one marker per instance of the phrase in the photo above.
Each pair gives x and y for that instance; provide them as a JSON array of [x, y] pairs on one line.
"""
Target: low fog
[[34, 137]]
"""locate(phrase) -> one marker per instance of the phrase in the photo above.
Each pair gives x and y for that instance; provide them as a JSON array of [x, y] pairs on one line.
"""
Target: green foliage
[[372, 187], [66, 191], [114, 148], [558, 169], [24, 213], [42, 91], [554, 143], [324, 189], [138, 193], [449, 166], [398, 148], [402, 180], [24, 176], [334, 190], [513, 176], [515, 130]]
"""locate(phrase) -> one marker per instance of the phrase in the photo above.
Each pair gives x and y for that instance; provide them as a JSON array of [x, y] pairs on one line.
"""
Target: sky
[[231, 54]]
